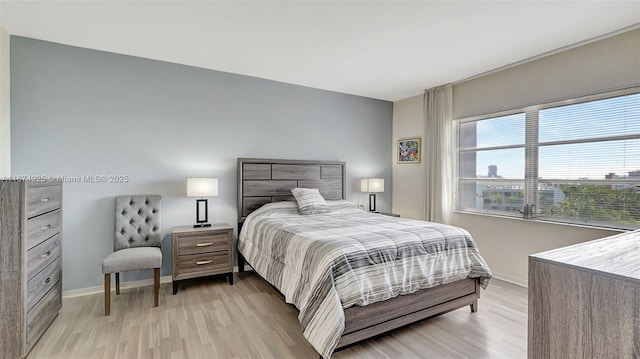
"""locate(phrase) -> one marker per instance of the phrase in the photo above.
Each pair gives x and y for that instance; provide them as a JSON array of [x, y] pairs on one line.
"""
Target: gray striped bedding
[[324, 263]]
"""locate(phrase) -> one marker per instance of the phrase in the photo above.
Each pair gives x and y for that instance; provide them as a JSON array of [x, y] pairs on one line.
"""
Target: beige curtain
[[438, 153]]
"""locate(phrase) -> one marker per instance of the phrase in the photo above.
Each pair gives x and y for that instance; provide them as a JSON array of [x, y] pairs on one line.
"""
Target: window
[[577, 161]]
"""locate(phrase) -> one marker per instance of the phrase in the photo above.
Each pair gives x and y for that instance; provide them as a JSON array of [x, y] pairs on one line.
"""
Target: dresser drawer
[[42, 227], [202, 243], [41, 255], [40, 316], [42, 199], [30, 262], [211, 263], [42, 282]]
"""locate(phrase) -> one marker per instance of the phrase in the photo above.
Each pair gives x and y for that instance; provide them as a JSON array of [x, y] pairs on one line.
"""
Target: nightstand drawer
[[213, 263], [202, 243], [201, 252]]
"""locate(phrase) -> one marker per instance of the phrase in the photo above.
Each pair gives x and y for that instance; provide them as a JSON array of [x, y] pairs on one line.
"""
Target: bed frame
[[263, 181]]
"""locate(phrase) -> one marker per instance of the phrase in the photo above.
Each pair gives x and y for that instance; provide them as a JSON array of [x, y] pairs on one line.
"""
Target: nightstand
[[390, 214], [201, 252]]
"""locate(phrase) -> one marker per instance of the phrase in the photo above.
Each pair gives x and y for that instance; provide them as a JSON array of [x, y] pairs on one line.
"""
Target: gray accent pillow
[[310, 201]]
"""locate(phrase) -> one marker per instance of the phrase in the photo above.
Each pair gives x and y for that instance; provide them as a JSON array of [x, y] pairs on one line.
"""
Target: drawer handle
[[46, 255], [46, 227], [47, 281], [204, 244], [45, 199], [203, 262]]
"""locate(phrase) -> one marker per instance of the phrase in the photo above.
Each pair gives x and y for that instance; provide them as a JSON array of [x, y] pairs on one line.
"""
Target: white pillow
[[310, 201]]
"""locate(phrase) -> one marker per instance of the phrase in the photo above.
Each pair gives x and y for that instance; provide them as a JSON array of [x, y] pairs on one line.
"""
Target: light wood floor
[[210, 319]]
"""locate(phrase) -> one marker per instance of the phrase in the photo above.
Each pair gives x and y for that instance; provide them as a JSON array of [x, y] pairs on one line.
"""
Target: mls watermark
[[72, 179]]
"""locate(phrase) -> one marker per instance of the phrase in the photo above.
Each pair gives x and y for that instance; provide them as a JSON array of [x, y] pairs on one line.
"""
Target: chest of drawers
[[30, 263], [584, 300], [200, 252]]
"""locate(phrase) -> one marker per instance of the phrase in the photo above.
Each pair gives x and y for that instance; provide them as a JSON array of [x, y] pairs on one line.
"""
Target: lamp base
[[202, 213], [372, 202]]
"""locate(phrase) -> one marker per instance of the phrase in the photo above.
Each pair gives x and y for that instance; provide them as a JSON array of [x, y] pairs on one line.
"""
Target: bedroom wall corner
[[5, 104], [408, 179]]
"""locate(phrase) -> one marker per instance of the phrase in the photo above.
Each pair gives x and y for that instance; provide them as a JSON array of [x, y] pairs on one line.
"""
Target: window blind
[[492, 164], [575, 161], [589, 159]]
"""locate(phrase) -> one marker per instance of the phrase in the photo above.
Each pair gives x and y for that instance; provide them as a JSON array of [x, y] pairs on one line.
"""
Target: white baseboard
[[125, 285], [511, 280], [167, 279]]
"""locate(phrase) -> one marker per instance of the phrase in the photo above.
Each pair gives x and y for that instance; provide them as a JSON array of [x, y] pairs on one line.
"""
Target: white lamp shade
[[202, 187], [372, 185]]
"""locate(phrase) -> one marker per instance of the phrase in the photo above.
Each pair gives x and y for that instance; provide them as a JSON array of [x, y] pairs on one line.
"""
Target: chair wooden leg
[[156, 286], [107, 294], [117, 283]]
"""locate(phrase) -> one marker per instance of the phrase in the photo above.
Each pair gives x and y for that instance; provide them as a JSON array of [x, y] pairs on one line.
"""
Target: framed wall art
[[409, 150]]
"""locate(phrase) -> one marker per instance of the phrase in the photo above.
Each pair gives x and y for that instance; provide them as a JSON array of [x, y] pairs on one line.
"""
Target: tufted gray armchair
[[136, 244]]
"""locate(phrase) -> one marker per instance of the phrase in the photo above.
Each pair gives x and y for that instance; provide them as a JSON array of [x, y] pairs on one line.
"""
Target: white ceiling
[[384, 49]]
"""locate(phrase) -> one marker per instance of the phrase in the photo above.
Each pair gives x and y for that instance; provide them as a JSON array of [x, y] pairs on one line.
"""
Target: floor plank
[[210, 319]]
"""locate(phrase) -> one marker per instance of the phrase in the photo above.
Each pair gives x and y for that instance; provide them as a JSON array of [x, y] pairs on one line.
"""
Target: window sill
[[546, 221]]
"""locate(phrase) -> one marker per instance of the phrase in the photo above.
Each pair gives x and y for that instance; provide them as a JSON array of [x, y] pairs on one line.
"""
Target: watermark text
[[71, 179]]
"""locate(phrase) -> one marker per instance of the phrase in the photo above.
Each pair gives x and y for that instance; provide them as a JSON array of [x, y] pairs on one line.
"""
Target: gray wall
[[76, 111]]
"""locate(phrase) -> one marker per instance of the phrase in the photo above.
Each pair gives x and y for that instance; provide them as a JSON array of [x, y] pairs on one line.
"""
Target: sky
[[608, 117]]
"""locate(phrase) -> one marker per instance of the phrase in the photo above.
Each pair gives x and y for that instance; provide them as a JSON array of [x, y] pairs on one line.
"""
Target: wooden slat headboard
[[262, 181]]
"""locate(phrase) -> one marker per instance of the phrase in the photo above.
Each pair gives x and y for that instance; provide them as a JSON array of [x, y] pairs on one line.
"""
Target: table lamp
[[372, 186], [202, 187]]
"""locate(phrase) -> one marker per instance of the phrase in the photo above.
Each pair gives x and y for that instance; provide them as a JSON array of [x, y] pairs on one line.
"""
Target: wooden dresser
[[30, 263], [200, 252], [584, 300]]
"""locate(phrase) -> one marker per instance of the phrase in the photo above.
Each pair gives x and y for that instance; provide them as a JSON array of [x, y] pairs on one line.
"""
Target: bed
[[351, 274]]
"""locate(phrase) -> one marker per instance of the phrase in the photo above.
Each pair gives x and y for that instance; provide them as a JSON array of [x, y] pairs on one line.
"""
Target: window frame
[[531, 146]]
